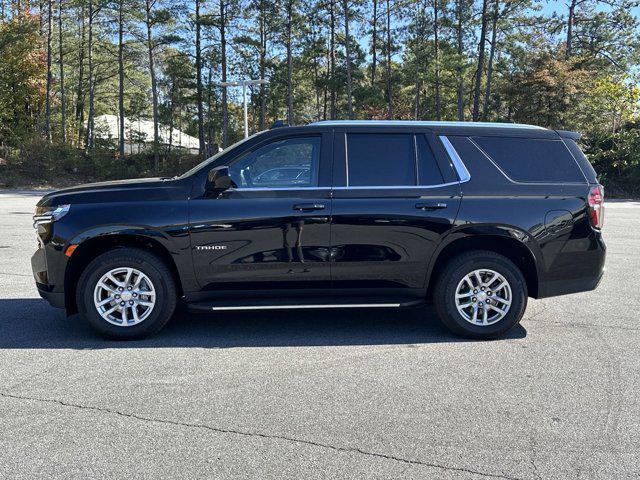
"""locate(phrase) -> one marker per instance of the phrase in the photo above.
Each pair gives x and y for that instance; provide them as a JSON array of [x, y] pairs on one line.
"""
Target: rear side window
[[584, 163], [532, 159], [380, 160], [428, 171]]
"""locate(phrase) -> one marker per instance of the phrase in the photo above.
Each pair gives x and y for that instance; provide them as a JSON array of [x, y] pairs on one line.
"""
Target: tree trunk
[[263, 67], [492, 51], [18, 10], [89, 133], [332, 60], [209, 128], [316, 75], [201, 145], [325, 87], [460, 90], [374, 41], [389, 95], [47, 126], [79, 115], [63, 105], [416, 107], [478, 78], [171, 111], [154, 84], [223, 48], [436, 45], [121, 78], [347, 49], [290, 118], [570, 20]]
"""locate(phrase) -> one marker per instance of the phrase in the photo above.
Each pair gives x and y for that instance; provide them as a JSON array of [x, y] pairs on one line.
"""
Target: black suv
[[338, 214]]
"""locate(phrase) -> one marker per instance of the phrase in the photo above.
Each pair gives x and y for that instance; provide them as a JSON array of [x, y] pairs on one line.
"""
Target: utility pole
[[244, 84]]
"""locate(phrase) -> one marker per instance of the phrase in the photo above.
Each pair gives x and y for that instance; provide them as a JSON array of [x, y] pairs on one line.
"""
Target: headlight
[[46, 215]]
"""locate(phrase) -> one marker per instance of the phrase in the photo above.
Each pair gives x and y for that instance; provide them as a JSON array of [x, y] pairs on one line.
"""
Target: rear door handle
[[307, 207], [431, 206]]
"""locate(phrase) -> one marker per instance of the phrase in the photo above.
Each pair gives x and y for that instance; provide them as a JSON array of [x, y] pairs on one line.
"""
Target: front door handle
[[431, 206], [307, 207]]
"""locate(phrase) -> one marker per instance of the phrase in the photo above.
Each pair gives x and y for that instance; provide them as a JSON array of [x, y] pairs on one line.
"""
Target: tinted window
[[288, 163], [380, 159], [428, 170], [532, 160], [588, 170]]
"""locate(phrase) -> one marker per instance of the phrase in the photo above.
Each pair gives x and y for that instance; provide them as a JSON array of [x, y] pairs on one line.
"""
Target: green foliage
[[22, 78], [616, 158]]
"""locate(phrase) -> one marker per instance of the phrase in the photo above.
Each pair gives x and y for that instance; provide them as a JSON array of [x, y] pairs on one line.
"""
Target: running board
[[226, 305]]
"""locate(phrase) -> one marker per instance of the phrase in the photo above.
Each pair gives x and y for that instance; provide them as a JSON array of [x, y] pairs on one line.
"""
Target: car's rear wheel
[[126, 294], [480, 294]]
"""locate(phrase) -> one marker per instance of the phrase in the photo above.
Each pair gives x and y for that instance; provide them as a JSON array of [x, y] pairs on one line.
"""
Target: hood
[[114, 191]]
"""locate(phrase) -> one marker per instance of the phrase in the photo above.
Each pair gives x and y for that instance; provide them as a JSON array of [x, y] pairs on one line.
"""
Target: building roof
[[141, 131]]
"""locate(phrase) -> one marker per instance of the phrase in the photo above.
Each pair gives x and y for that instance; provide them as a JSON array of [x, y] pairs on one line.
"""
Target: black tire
[[452, 275], [152, 267]]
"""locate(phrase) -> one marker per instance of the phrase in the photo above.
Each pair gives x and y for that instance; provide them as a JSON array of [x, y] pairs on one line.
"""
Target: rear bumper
[[565, 287], [580, 272]]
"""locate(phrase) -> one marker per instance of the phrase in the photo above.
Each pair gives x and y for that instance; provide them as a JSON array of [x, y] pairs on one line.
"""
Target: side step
[[303, 304]]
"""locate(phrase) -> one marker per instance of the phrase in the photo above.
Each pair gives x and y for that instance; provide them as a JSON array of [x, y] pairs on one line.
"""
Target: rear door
[[395, 196]]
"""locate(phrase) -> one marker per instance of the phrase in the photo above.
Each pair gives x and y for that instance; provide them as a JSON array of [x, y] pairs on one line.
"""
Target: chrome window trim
[[353, 187], [458, 164], [278, 189], [397, 187]]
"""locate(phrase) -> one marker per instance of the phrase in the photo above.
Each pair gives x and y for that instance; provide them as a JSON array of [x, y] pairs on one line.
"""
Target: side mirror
[[219, 179]]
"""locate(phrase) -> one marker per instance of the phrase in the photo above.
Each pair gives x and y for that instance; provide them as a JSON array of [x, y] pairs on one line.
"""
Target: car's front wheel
[[480, 294], [126, 294]]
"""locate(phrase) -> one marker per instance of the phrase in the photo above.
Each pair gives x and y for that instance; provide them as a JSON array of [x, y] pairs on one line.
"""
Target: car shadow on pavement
[[32, 323]]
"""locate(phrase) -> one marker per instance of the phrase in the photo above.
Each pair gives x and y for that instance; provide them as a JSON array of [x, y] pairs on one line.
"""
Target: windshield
[[212, 159]]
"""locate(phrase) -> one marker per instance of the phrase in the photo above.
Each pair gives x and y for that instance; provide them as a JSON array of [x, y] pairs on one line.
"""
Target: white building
[[139, 135]]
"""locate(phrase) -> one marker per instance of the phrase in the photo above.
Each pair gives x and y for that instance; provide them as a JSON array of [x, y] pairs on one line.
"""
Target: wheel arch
[[91, 248], [505, 242]]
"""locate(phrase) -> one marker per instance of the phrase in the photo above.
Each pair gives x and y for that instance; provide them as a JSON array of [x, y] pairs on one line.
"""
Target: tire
[[452, 281], [154, 304]]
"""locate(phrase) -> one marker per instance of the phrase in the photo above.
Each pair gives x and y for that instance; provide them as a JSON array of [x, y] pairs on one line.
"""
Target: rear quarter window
[[532, 159], [582, 160]]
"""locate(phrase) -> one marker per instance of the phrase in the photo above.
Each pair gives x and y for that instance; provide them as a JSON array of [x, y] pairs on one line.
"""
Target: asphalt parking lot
[[325, 394]]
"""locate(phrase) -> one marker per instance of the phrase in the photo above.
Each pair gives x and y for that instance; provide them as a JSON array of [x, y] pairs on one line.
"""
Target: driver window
[[288, 163]]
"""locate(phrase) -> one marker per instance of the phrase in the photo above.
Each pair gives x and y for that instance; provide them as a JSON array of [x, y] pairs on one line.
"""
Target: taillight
[[596, 206]]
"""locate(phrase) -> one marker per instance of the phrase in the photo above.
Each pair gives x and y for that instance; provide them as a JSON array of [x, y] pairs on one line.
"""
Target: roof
[[420, 123]]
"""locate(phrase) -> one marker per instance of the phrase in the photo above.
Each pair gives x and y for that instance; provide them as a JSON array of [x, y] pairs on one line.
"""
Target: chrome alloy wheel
[[483, 297], [124, 296]]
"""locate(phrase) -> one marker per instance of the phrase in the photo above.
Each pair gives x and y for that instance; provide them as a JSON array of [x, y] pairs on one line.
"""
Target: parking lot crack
[[299, 441]]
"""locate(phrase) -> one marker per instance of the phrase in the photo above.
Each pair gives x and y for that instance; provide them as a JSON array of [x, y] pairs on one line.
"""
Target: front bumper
[[55, 299], [45, 283]]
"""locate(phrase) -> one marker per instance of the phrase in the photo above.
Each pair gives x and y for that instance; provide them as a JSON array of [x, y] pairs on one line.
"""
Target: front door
[[393, 202], [270, 231]]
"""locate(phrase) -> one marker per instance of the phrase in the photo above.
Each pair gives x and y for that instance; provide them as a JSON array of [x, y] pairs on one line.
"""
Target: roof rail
[[422, 123], [278, 124]]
